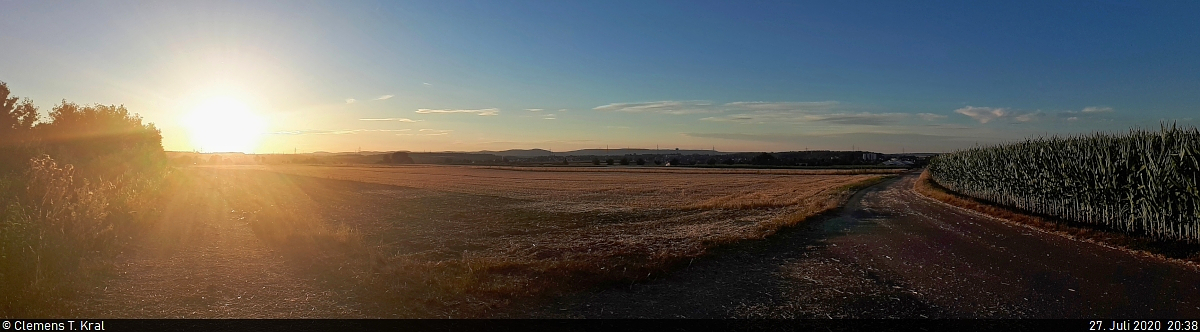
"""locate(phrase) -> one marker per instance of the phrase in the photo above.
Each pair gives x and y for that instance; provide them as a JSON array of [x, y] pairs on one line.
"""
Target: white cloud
[[426, 83], [533, 109], [1026, 117], [381, 130], [860, 118], [930, 116], [675, 107], [988, 114], [391, 119], [661, 107], [815, 106], [984, 114], [333, 132], [385, 97], [484, 112], [429, 132], [350, 100], [886, 142]]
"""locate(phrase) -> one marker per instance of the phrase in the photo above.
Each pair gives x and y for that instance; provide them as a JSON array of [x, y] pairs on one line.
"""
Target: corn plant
[[1143, 182]]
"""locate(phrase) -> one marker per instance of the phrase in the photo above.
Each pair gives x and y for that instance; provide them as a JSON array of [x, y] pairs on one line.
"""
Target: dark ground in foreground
[[888, 253], [891, 253]]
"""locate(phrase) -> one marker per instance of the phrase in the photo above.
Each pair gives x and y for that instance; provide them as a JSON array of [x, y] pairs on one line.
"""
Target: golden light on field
[[224, 124]]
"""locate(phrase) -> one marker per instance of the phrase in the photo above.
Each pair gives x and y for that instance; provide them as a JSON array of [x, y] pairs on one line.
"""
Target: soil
[[892, 253], [889, 253]]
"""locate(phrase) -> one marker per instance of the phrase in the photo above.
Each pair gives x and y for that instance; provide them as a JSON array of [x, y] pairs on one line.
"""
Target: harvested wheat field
[[445, 241]]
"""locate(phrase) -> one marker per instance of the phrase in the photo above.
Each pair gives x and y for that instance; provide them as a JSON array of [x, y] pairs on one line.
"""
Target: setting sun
[[224, 125]]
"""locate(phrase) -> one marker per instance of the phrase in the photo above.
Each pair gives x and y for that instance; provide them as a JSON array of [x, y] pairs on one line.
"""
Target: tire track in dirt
[[891, 253]]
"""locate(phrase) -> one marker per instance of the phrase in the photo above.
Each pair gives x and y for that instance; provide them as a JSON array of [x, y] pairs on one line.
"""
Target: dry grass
[[465, 242], [60, 232], [1181, 252]]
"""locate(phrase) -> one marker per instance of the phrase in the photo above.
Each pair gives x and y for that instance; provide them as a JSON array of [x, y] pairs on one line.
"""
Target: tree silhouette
[[17, 117], [763, 159], [98, 140], [399, 157], [609, 161], [641, 161], [595, 161], [624, 161], [103, 140]]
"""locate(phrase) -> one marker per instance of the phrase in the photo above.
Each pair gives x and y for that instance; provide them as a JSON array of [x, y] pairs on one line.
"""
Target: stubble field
[[443, 241]]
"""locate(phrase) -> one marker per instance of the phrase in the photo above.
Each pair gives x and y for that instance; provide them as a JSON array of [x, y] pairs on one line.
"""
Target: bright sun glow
[[224, 125]]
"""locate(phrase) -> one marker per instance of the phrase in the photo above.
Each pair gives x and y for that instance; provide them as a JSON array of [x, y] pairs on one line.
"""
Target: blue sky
[[563, 75]]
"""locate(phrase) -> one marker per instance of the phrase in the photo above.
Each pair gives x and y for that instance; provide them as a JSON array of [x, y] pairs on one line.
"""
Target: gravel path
[[892, 253]]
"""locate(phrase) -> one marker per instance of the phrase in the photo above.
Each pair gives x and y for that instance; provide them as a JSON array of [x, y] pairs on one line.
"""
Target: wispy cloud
[[930, 116], [756, 112], [350, 100], [1027, 117], [868, 141], [862, 118], [845, 118], [333, 132], [483, 112], [661, 107], [813, 106], [989, 114], [385, 97], [380, 130], [533, 109], [426, 83], [550, 117], [1090, 112], [428, 132], [676, 107], [391, 119]]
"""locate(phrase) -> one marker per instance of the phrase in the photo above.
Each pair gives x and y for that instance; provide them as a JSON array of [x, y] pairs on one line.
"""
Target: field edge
[[1185, 254]]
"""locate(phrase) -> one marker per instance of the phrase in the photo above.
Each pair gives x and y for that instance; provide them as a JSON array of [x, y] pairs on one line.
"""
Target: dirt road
[[894, 253]]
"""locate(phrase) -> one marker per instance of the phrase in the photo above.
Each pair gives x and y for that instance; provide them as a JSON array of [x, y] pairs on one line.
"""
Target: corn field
[[1143, 182]]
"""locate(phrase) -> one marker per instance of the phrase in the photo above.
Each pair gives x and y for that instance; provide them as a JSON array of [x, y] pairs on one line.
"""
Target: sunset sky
[[562, 75]]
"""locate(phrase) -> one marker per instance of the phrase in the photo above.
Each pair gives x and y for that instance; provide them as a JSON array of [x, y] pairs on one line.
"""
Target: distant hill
[[622, 152], [595, 152], [519, 153]]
